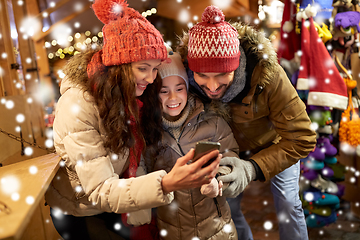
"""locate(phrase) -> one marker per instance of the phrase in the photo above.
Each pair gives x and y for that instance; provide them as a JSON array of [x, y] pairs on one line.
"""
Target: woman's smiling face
[[145, 73]]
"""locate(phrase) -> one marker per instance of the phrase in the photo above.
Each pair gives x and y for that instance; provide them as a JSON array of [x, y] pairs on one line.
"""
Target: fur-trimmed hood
[[75, 71], [257, 46]]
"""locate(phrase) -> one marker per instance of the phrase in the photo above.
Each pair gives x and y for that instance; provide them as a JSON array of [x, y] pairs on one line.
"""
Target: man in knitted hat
[[238, 66]]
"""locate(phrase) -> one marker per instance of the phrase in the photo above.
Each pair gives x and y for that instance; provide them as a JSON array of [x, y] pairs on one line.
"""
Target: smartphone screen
[[203, 148]]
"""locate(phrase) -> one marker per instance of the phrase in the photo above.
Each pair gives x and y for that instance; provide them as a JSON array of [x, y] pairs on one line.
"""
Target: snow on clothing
[[89, 183], [191, 213], [267, 116]]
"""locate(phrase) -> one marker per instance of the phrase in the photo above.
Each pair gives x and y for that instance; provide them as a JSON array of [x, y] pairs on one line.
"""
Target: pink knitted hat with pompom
[[128, 36], [213, 44]]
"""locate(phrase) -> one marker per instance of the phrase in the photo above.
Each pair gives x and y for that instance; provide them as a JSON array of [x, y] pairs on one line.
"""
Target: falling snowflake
[[9, 104], [114, 156], [174, 206], [282, 217], [117, 226], [28, 151], [62, 163], [9, 184], [30, 200], [33, 170], [309, 197], [15, 196], [78, 189], [75, 108], [79, 163], [184, 16], [163, 232], [57, 213], [312, 82], [268, 225], [227, 228], [20, 118]]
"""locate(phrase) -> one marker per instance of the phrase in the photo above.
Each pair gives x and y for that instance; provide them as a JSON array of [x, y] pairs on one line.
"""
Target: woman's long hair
[[152, 130], [114, 90]]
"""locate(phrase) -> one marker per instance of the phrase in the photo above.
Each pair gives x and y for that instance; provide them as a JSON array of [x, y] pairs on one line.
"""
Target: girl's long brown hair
[[114, 92]]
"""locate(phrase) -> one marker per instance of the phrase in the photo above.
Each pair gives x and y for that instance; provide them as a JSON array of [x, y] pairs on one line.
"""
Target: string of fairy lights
[[81, 41]]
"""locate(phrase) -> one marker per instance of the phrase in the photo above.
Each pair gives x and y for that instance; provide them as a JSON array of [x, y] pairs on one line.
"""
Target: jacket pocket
[[293, 110]]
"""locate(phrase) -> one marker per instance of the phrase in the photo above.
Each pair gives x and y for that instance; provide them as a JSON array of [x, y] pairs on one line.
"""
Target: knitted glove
[[139, 217], [213, 189], [243, 172]]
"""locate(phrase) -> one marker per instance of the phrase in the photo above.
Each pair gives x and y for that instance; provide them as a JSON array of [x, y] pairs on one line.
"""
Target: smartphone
[[203, 148]]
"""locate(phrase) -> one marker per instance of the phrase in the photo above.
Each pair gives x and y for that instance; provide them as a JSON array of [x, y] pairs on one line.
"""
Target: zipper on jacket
[[217, 207], [258, 90], [177, 141]]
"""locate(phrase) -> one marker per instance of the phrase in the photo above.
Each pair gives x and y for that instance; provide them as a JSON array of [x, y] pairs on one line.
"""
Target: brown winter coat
[[272, 112], [191, 213], [270, 122]]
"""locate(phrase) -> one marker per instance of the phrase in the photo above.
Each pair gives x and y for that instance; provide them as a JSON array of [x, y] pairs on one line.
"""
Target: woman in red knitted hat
[[103, 121]]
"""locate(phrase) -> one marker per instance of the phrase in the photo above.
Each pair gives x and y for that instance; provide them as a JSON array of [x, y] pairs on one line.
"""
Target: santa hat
[[303, 81], [213, 44], [326, 86], [289, 41], [128, 36]]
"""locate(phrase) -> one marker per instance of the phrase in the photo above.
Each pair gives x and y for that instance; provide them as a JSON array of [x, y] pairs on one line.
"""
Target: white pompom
[[288, 26], [310, 11], [301, 15], [313, 11]]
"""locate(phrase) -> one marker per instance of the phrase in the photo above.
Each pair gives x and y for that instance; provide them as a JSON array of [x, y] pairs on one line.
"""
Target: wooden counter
[[29, 179]]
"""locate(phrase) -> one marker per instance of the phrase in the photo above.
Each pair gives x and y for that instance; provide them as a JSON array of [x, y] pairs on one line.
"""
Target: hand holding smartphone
[[202, 148]]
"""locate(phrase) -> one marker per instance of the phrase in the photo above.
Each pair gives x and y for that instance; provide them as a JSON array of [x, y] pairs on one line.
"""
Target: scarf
[[146, 231]]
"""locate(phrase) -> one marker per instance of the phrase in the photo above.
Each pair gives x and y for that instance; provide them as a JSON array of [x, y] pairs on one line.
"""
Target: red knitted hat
[[128, 36], [213, 44]]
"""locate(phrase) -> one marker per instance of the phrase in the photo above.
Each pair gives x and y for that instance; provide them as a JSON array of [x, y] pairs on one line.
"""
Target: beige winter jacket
[[191, 213], [88, 182]]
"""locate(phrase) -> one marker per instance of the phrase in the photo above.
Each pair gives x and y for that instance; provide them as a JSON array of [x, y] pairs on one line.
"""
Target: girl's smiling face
[[173, 95]]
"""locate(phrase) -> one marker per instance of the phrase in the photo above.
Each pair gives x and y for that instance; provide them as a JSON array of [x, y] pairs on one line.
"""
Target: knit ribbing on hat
[[128, 36], [173, 66], [213, 44]]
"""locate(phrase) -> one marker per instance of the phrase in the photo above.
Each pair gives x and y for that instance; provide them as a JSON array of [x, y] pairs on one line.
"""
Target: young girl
[[185, 122], [100, 135]]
